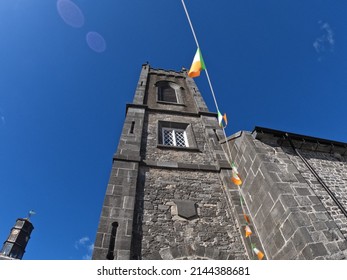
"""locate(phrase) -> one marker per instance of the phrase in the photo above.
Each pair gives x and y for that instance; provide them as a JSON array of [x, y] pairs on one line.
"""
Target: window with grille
[[174, 137]]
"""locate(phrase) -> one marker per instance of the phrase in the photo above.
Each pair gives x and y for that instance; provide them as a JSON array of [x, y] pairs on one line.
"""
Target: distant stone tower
[[168, 195], [14, 246]]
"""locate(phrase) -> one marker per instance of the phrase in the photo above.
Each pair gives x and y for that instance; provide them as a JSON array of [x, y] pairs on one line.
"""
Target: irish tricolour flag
[[197, 65]]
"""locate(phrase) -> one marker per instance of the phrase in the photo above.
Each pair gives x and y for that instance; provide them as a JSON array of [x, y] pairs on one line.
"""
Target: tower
[[168, 196], [14, 246]]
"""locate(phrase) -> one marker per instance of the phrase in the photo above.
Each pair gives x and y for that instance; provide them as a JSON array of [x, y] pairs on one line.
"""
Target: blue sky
[[68, 70]]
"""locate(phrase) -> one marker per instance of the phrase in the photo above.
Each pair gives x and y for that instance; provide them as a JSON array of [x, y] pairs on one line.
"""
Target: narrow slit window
[[110, 254], [215, 133], [132, 127]]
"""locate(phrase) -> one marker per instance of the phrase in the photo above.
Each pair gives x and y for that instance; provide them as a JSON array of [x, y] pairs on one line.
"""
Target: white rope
[[190, 23], [197, 44], [229, 157]]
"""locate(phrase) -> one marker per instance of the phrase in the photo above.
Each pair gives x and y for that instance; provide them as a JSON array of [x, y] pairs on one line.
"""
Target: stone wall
[[163, 234], [333, 171], [290, 218], [118, 206], [150, 151]]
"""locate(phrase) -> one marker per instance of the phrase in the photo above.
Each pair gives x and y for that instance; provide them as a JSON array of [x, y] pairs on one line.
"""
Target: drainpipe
[[315, 174]]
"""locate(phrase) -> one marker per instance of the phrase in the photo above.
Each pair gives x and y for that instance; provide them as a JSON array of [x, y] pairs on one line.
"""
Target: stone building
[[295, 188], [170, 195]]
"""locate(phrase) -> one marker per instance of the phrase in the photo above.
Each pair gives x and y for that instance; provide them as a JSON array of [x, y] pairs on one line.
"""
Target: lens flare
[[96, 42], [70, 13]]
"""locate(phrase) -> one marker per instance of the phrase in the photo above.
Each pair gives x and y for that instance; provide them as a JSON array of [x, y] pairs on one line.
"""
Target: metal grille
[[168, 137], [180, 139], [174, 137]]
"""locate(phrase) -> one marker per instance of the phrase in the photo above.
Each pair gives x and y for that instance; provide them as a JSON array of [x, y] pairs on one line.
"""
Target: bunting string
[[198, 65], [197, 45], [190, 23]]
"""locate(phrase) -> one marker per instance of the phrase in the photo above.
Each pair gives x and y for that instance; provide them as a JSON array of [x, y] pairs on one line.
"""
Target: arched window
[[168, 92]]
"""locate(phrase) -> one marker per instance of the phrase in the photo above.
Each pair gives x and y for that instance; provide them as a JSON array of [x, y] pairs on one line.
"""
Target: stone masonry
[[332, 168], [163, 234], [293, 214]]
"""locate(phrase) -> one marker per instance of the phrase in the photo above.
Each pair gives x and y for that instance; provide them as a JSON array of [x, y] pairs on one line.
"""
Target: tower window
[[7, 249], [175, 137], [168, 92], [14, 234]]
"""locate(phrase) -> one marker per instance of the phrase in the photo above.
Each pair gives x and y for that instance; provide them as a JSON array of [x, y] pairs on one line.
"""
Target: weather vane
[[31, 212]]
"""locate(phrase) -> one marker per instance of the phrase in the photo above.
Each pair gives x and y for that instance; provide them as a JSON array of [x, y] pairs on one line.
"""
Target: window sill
[[188, 149], [171, 103]]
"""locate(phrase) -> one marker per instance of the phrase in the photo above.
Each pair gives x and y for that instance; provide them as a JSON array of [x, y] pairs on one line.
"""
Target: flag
[[221, 118], [197, 65], [235, 176], [248, 231], [259, 254], [246, 218]]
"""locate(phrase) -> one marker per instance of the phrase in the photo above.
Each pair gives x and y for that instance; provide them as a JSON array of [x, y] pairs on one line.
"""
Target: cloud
[[82, 242], [88, 255], [85, 244], [326, 41]]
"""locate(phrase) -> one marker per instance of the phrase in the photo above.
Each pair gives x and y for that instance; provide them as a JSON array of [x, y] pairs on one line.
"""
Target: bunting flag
[[246, 218], [235, 176], [197, 65], [259, 254], [222, 118], [248, 231]]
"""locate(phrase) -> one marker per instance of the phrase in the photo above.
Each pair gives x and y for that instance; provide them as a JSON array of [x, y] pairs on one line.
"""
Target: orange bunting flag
[[235, 176], [246, 218], [222, 118], [248, 231], [259, 254], [197, 65]]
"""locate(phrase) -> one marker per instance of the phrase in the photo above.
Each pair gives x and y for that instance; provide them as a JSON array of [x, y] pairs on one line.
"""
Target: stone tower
[[14, 246], [169, 193]]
